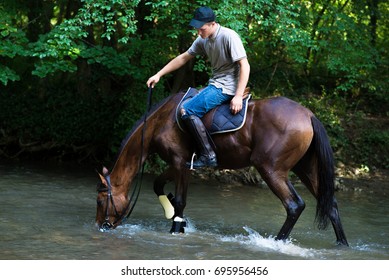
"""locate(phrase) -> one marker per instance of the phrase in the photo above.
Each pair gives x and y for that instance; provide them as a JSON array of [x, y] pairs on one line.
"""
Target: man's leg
[[207, 155], [191, 113]]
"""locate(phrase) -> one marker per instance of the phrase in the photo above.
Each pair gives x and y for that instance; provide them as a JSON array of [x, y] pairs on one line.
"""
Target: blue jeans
[[205, 100]]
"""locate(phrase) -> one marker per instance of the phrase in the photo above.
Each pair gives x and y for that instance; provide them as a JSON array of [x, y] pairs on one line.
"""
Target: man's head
[[202, 16], [204, 21]]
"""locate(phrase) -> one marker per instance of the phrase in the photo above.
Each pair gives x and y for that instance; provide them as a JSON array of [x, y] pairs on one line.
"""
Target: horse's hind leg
[[337, 225], [333, 215], [294, 205], [307, 172]]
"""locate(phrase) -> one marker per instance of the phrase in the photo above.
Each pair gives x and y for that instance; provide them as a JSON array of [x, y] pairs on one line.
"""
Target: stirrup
[[191, 162], [202, 161]]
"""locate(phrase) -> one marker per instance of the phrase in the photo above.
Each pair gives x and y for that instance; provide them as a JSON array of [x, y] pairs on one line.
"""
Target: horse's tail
[[326, 173]]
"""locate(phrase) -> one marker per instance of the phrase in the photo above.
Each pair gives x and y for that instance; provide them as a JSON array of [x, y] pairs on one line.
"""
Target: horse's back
[[281, 113], [274, 128], [280, 129], [281, 106]]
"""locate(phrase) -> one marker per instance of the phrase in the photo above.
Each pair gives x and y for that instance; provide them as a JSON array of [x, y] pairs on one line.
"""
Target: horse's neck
[[129, 160], [136, 148]]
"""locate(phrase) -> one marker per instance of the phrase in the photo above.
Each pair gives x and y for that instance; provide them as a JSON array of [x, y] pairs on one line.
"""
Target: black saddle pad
[[222, 120]]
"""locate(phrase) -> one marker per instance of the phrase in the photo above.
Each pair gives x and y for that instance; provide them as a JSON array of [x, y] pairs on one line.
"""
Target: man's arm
[[236, 102], [173, 65]]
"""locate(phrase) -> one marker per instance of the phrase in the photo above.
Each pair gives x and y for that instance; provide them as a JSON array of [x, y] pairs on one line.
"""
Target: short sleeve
[[237, 49], [197, 47]]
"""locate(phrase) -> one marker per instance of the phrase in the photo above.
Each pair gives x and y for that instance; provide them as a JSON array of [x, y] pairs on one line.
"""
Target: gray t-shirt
[[223, 50]]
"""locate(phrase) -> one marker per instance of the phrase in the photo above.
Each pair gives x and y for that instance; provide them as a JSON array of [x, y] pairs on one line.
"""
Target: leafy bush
[[330, 111]]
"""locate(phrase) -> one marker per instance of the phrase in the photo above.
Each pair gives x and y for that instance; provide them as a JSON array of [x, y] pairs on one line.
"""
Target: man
[[230, 73]]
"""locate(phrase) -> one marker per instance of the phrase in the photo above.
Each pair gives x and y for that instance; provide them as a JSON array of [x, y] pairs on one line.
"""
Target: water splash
[[209, 242], [190, 226], [255, 241]]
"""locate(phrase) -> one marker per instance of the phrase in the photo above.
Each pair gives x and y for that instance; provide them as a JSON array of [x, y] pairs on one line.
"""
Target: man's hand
[[153, 80], [173, 65], [236, 104]]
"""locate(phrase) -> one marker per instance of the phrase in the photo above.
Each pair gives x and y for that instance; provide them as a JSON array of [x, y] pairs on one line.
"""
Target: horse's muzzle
[[106, 226]]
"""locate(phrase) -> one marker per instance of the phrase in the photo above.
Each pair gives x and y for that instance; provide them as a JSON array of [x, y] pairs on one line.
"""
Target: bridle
[[107, 225]]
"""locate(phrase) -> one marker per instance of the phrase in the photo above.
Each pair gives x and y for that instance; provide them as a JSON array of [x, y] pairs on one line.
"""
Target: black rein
[[136, 191]]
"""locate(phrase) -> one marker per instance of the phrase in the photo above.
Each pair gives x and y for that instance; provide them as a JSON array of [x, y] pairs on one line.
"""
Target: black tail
[[326, 173]]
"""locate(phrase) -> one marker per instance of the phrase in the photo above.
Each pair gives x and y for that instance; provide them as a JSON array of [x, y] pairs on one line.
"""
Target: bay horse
[[279, 135]]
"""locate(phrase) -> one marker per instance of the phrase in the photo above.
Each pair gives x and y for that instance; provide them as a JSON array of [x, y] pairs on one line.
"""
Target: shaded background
[[73, 73]]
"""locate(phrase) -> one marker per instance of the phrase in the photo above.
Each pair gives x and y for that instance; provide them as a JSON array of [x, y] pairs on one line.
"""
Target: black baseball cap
[[202, 16]]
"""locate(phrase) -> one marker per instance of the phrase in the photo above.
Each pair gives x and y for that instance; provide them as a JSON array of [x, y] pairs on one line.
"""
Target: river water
[[47, 212]]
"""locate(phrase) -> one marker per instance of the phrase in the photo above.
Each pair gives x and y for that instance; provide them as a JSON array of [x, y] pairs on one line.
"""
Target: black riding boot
[[198, 131]]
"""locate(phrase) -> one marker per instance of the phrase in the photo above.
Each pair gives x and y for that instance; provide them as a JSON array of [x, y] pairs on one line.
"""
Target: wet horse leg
[[306, 171], [166, 201], [337, 225], [181, 181], [284, 190], [173, 207], [334, 215]]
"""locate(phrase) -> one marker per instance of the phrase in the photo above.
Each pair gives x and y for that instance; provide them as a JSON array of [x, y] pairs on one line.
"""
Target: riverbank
[[347, 178]]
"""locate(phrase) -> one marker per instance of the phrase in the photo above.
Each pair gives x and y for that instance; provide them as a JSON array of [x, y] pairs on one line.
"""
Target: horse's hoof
[[178, 226]]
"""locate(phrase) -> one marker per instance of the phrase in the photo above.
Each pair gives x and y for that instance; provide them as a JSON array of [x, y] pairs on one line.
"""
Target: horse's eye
[[100, 202], [101, 187]]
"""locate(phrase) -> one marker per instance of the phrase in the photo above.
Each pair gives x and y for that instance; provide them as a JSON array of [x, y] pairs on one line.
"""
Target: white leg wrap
[[178, 219], [167, 206]]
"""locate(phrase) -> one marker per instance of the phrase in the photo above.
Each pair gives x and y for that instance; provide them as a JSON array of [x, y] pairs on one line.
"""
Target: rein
[[137, 188], [136, 191]]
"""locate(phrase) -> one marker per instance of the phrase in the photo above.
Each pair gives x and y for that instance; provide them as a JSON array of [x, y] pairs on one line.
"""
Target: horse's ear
[[102, 178]]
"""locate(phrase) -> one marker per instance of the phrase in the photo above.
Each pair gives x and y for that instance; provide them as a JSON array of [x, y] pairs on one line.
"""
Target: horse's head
[[112, 205]]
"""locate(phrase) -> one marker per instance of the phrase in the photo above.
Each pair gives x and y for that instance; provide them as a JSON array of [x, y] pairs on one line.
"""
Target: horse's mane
[[140, 122]]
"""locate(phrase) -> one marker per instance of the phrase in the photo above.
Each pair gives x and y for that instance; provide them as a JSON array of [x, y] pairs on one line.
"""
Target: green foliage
[[96, 22], [12, 43], [7, 74], [368, 143], [350, 55], [172, 17], [330, 110]]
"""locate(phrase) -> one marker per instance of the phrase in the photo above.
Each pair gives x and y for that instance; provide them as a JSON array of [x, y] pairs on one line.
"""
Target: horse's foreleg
[[159, 184], [181, 181]]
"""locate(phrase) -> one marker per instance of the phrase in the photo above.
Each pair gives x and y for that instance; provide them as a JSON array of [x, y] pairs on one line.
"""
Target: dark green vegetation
[[73, 73]]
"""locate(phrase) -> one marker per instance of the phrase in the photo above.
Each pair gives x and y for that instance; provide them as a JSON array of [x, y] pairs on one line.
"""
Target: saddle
[[219, 119]]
